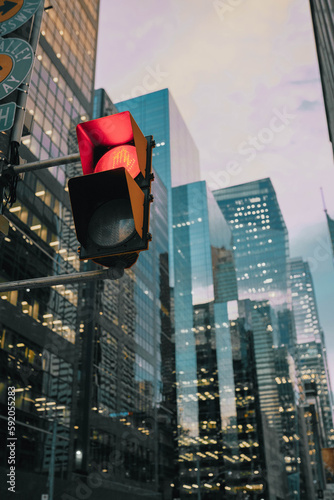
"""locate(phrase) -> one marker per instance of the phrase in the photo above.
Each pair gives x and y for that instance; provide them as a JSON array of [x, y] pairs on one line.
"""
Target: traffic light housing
[[111, 201]]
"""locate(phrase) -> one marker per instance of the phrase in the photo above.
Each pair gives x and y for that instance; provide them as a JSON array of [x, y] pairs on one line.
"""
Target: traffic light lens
[[112, 223], [121, 156]]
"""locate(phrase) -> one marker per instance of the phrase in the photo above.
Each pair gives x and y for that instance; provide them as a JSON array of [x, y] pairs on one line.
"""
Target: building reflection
[[207, 431]]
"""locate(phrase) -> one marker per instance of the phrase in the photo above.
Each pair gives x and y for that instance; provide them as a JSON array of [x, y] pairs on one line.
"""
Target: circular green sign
[[16, 58], [14, 14]]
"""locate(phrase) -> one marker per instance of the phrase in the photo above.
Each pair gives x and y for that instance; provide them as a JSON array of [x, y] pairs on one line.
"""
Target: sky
[[245, 77]]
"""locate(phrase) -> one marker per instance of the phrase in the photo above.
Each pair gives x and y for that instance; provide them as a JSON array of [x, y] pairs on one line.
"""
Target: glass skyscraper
[[260, 467], [311, 349], [259, 319], [261, 250], [207, 431], [316, 436], [305, 311], [227, 397], [38, 327], [175, 158]]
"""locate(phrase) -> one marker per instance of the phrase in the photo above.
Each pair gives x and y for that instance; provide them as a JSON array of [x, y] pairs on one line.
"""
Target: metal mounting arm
[[114, 273]]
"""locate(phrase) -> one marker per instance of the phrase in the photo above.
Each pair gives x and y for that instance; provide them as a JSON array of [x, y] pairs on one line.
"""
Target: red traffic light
[[110, 202], [120, 156], [112, 142]]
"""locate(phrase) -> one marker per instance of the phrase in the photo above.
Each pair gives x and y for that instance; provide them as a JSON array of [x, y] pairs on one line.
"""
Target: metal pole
[[22, 97], [51, 162], [52, 460], [114, 273]]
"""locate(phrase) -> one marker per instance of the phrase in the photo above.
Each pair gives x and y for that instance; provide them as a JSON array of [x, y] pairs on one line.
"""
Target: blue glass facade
[[206, 407], [175, 158], [311, 349], [261, 463], [261, 250], [259, 318]]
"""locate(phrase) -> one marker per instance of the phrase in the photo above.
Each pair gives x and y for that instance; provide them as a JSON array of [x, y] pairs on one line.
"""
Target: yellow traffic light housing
[[111, 201]]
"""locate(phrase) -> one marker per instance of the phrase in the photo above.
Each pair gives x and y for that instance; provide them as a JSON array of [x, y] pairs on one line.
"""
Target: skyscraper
[[201, 260], [38, 327], [261, 463], [311, 349], [227, 396], [316, 436], [207, 432], [305, 311], [261, 250], [176, 158], [259, 319]]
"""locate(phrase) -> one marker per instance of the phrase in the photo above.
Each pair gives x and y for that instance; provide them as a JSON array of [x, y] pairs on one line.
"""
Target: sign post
[[16, 62], [7, 115]]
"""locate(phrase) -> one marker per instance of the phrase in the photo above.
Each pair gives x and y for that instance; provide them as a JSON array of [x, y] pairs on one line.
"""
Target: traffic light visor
[[112, 142]]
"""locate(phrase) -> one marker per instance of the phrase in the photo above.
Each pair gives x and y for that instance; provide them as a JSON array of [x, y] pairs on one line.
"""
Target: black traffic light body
[[111, 203]]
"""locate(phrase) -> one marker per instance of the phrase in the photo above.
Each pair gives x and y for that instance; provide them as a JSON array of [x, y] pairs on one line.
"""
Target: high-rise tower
[[38, 327], [311, 349], [204, 286], [261, 250], [176, 157]]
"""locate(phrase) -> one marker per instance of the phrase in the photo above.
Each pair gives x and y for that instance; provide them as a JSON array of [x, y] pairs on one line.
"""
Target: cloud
[[308, 105]]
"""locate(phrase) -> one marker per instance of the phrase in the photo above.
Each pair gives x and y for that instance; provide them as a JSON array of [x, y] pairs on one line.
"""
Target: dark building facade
[[311, 349], [39, 327], [316, 435], [94, 394], [323, 25], [255, 470]]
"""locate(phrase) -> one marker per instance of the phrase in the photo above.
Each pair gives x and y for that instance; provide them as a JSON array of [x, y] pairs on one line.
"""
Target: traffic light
[[111, 201]]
